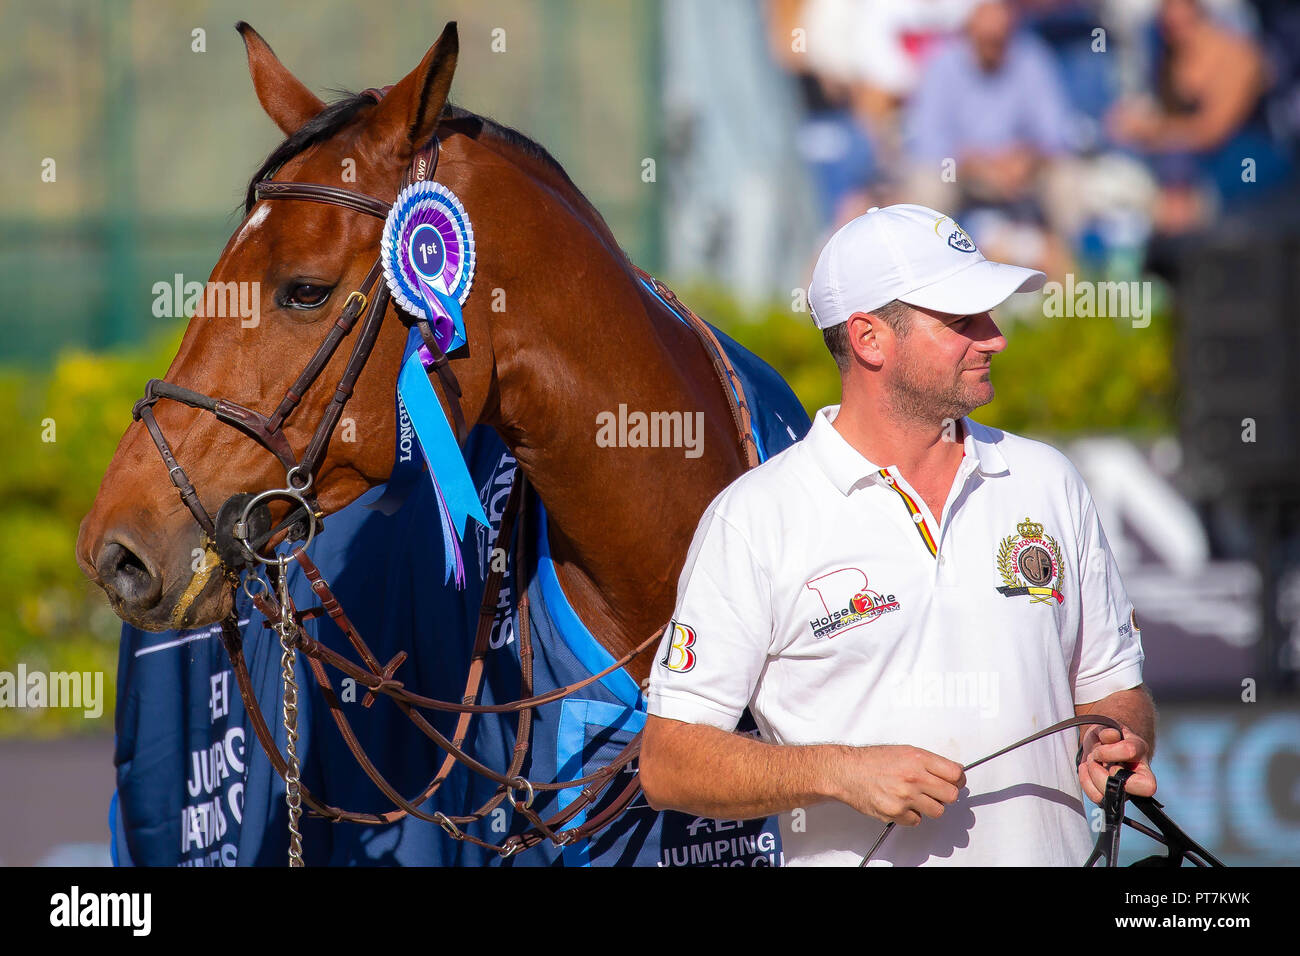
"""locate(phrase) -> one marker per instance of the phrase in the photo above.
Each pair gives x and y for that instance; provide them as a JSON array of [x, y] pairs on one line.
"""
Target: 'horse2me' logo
[[849, 603], [959, 238], [679, 657], [1030, 564]]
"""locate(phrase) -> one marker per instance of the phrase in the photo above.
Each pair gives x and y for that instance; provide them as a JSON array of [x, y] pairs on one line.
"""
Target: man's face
[[1178, 19], [989, 28], [940, 368]]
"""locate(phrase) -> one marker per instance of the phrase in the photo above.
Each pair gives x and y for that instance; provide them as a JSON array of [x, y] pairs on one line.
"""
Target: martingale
[[243, 528]]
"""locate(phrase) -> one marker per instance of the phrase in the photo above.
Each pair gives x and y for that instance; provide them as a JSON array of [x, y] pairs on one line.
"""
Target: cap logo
[[958, 238]]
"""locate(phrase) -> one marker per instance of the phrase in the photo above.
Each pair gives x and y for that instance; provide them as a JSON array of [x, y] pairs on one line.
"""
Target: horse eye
[[307, 296]]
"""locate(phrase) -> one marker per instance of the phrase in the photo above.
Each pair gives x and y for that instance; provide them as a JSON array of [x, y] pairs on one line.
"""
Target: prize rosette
[[427, 252]]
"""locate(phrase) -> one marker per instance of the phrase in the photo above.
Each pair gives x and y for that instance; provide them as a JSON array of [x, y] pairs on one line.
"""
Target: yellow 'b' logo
[[680, 657]]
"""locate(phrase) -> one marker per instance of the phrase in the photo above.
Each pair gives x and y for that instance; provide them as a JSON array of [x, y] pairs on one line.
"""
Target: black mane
[[329, 121], [319, 128]]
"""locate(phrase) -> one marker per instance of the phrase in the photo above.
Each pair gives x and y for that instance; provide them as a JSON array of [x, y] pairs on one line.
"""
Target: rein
[[1180, 845], [242, 528]]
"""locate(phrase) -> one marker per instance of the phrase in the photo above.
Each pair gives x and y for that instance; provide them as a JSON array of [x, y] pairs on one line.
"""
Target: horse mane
[[324, 125], [339, 114]]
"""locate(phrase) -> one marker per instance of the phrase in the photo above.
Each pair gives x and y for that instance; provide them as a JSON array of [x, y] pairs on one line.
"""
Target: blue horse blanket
[[195, 789]]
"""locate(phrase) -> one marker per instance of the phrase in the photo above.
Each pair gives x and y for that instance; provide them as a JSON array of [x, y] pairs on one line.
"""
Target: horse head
[[297, 262]]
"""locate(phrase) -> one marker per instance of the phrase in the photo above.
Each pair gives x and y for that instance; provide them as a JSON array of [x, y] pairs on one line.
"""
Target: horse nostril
[[125, 575]]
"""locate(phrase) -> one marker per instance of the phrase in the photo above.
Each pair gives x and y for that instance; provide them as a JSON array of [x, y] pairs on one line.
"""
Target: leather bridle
[[235, 540], [242, 528], [1179, 844]]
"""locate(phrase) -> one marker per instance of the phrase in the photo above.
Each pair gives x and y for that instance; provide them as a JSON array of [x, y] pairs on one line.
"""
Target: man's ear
[[864, 335], [408, 114], [289, 104]]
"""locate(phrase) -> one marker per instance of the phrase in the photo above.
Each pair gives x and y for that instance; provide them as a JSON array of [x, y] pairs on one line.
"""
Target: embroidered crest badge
[[1030, 563]]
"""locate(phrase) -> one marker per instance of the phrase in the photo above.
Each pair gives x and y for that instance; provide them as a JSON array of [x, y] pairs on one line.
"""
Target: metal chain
[[286, 626]]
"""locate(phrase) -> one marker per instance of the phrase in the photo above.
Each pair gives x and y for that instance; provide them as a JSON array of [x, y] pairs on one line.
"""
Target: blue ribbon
[[457, 497], [419, 411], [451, 310], [437, 441], [441, 450], [408, 461]]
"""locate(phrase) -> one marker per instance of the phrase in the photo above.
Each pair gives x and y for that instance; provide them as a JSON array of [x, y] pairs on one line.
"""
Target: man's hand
[[1007, 174], [1134, 122], [896, 784], [1104, 751], [709, 772]]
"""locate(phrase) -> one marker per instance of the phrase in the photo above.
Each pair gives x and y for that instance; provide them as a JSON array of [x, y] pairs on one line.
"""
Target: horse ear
[[408, 114], [282, 95]]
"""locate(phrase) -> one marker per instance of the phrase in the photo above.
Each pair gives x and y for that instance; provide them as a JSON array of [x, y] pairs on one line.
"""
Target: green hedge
[[52, 618], [1057, 377]]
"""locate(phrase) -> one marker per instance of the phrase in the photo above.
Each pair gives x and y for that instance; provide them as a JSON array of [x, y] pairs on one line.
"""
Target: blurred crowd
[[1064, 134]]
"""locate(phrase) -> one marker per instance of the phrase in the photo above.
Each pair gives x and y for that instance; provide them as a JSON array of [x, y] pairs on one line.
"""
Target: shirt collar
[[848, 468], [982, 442]]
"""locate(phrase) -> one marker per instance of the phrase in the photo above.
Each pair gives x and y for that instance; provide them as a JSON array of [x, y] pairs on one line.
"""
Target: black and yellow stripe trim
[[917, 518]]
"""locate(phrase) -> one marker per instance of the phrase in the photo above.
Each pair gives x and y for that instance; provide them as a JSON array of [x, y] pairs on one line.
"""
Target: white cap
[[913, 254]]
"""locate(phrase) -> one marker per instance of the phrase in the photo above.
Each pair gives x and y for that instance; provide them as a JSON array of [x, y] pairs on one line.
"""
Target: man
[[900, 593], [994, 101], [990, 134]]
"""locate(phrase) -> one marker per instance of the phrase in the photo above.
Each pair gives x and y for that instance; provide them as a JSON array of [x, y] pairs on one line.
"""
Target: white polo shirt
[[820, 592]]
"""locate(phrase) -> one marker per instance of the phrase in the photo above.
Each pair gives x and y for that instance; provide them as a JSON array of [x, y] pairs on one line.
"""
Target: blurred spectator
[[891, 41], [1058, 130], [1089, 75], [989, 117], [860, 60], [1280, 33], [1201, 120], [831, 140]]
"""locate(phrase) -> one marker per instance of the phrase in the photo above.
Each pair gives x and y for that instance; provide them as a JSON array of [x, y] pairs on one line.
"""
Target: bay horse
[[559, 330]]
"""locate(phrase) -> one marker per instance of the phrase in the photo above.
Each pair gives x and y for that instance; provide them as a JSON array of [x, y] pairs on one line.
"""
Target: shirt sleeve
[[715, 647], [1110, 656]]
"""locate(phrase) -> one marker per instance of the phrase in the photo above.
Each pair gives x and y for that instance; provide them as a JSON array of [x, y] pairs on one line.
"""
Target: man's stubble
[[914, 398]]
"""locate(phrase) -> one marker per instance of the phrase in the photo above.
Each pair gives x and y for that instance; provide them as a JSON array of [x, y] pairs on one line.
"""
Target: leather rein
[[242, 528], [1179, 844]]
